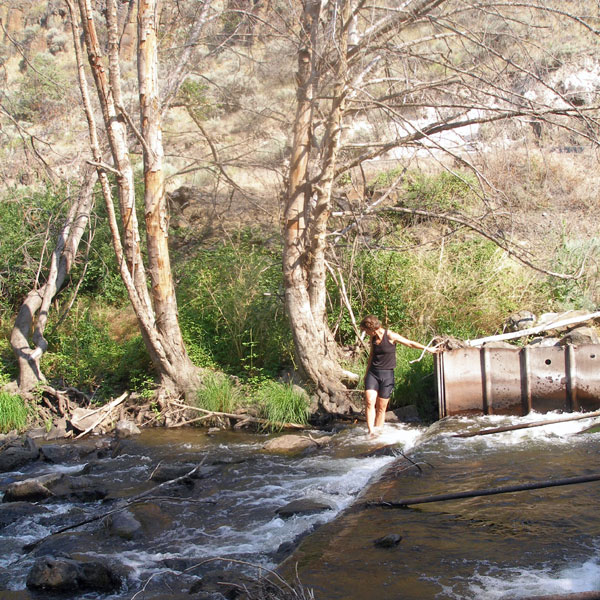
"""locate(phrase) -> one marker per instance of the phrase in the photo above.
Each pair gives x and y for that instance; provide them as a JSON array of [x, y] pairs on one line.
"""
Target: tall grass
[[282, 403], [219, 394], [13, 412]]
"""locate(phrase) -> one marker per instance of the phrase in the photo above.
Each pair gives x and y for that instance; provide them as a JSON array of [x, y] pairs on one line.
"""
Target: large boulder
[[29, 490], [66, 575]]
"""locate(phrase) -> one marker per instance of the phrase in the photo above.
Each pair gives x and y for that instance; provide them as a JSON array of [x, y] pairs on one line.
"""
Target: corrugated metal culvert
[[516, 381]]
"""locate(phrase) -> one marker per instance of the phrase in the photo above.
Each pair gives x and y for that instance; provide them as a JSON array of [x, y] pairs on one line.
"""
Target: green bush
[[13, 412], [231, 311], [86, 354], [444, 191], [24, 220], [281, 403]]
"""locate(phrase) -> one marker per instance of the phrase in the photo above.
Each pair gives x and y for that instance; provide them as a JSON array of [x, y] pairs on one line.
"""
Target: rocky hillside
[[227, 135]]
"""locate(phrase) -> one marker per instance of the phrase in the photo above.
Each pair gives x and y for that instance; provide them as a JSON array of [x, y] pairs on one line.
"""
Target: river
[[513, 545]]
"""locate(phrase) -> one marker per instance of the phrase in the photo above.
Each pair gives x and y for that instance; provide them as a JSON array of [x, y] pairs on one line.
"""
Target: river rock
[[58, 431], [404, 414], [303, 506], [520, 320], [67, 575], [58, 453], [164, 473], [123, 524], [125, 428], [29, 490], [391, 540], [18, 453], [78, 488], [293, 443], [580, 336], [14, 511]]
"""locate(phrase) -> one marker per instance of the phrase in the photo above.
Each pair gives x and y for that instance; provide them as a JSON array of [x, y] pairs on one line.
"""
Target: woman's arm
[[396, 338]]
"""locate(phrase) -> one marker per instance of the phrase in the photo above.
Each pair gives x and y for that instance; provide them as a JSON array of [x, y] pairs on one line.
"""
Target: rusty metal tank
[[515, 381]]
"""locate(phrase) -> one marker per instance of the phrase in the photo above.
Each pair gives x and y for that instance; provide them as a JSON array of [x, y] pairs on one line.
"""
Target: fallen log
[[486, 492], [527, 425]]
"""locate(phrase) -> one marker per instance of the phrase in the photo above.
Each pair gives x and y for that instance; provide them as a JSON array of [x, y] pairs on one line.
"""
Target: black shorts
[[381, 380]]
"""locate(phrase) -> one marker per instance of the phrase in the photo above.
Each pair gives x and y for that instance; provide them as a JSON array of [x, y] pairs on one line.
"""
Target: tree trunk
[[39, 300], [306, 213], [155, 308], [157, 222]]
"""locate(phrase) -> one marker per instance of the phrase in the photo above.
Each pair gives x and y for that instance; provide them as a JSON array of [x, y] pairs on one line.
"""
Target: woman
[[379, 378]]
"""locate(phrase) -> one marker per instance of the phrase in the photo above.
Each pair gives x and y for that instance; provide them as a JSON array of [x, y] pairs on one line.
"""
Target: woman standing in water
[[379, 378]]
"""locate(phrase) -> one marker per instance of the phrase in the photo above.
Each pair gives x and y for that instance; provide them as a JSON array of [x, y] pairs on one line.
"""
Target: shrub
[[13, 412], [89, 352], [230, 307], [42, 92], [443, 191]]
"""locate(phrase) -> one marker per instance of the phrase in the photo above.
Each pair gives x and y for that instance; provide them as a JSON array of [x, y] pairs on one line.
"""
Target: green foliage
[[85, 353], [24, 221], [415, 383], [42, 91], [219, 393], [281, 403], [385, 178], [193, 95], [465, 290], [582, 293], [231, 312], [444, 191], [13, 412]]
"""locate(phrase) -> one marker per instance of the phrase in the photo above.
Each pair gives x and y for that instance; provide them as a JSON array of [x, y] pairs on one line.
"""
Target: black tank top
[[384, 353]]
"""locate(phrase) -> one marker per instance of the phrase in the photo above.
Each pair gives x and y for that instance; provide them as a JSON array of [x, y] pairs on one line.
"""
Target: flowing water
[[507, 546]]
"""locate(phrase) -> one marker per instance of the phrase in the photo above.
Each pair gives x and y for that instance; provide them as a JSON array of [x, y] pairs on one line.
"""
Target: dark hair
[[370, 322]]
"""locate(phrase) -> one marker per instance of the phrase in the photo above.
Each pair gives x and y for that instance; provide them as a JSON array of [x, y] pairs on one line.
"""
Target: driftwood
[[244, 417], [533, 330], [105, 410], [527, 425], [486, 492]]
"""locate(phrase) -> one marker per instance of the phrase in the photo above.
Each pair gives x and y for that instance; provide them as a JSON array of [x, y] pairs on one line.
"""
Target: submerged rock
[[14, 511], [303, 506], [391, 540]]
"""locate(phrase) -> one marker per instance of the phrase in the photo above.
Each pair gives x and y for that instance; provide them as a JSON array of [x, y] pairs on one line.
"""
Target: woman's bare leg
[[370, 401], [381, 405]]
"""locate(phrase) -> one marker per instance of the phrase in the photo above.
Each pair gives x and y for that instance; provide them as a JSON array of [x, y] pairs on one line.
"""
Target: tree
[[153, 301], [39, 299], [407, 74]]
